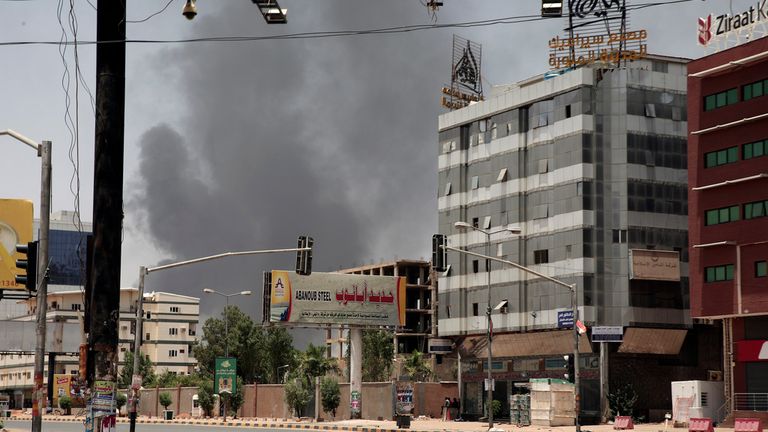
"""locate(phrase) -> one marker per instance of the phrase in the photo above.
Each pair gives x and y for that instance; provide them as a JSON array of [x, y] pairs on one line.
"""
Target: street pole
[[38, 404], [136, 386], [107, 196], [490, 324], [226, 344], [576, 392]]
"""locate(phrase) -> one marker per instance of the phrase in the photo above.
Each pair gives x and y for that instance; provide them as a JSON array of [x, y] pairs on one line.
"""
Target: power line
[[332, 34]]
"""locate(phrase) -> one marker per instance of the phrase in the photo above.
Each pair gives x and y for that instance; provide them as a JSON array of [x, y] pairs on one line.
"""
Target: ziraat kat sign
[[713, 28]]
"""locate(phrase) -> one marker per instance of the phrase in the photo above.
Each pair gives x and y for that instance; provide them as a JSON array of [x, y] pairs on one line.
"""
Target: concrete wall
[[268, 401]]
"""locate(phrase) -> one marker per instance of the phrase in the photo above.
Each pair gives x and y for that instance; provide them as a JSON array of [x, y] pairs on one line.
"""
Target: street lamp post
[[44, 152], [513, 230], [286, 372], [226, 325]]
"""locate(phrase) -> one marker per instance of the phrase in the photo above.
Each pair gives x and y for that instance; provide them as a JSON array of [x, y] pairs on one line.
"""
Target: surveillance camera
[[190, 10]]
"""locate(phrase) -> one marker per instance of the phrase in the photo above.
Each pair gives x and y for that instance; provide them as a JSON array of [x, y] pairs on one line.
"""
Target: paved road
[[18, 426]]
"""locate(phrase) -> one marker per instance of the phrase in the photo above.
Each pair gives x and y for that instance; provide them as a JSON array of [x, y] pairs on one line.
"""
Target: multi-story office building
[[169, 330], [728, 180], [591, 166]]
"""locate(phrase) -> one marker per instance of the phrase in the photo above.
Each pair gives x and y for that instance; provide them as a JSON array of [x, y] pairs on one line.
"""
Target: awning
[[524, 344], [652, 341]]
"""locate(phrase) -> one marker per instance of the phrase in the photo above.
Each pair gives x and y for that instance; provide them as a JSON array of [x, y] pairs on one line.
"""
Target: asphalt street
[[17, 426]]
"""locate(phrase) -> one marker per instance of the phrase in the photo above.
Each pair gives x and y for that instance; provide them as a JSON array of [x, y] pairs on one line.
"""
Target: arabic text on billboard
[[654, 265], [333, 298]]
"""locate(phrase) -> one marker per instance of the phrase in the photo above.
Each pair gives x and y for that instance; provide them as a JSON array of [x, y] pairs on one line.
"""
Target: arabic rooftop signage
[[597, 32], [466, 83], [726, 30], [334, 298]]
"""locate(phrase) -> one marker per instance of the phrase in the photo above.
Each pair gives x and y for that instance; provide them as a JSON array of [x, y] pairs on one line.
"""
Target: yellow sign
[[581, 50], [15, 228], [62, 386]]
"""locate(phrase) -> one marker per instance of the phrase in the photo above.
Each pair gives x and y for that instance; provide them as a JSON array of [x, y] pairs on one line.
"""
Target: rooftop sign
[[727, 29]]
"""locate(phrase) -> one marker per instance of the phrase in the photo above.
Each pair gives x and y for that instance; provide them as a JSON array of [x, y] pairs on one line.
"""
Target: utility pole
[[107, 194], [44, 151]]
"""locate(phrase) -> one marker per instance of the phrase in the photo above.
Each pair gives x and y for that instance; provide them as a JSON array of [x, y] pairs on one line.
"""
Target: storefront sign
[[565, 319], [752, 350], [440, 346], [582, 50], [607, 333], [713, 28]]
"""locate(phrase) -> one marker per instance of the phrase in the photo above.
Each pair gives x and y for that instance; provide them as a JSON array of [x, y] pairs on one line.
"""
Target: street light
[[44, 152], [512, 230], [226, 326]]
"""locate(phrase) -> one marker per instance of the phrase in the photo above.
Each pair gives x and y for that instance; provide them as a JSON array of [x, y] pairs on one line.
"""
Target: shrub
[[165, 400], [121, 400], [496, 406], [297, 395], [205, 398], [622, 401], [330, 395]]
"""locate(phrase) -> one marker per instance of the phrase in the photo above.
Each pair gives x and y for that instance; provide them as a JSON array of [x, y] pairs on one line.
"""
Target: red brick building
[[728, 211]]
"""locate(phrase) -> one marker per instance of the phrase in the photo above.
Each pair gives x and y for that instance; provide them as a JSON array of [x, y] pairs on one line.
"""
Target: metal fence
[[751, 401]]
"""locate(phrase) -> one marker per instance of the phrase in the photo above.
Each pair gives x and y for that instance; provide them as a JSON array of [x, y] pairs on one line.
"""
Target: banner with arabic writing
[[334, 298]]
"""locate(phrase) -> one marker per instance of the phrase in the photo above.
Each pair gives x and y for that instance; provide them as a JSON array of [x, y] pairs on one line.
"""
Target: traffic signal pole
[[38, 402], [143, 272]]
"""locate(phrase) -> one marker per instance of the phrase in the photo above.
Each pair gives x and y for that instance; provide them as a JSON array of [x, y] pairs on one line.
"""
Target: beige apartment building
[[169, 330]]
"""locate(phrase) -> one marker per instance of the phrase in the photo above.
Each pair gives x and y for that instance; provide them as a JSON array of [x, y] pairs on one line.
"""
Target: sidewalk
[[417, 424]]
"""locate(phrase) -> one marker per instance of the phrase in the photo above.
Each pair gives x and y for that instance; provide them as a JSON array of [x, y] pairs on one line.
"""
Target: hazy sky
[[241, 146]]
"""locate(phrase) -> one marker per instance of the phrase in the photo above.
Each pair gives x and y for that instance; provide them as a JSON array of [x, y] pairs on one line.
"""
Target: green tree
[[165, 400], [258, 351], [314, 363], [279, 345], [66, 404], [166, 379], [417, 368], [146, 370], [330, 395], [205, 397], [378, 349], [121, 400], [297, 395]]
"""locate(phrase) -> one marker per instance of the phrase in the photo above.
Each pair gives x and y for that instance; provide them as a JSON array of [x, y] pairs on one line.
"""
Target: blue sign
[[565, 319]]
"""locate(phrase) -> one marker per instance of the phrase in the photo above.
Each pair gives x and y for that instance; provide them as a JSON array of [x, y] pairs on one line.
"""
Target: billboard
[[15, 228], [334, 298], [654, 265]]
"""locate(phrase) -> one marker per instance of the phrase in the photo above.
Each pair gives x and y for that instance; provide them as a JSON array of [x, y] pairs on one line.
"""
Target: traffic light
[[304, 257], [570, 374], [551, 8], [439, 253], [29, 280]]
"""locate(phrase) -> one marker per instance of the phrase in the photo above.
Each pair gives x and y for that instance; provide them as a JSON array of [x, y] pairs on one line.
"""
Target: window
[[175, 309], [502, 175], [476, 222], [721, 157], [475, 266], [619, 236], [756, 89], [761, 268], [172, 353], [147, 336], [722, 215], [181, 351], [718, 273], [719, 100], [650, 110], [475, 309], [173, 331], [543, 166], [448, 311], [475, 182], [447, 189], [568, 111], [755, 149], [755, 209], [487, 222], [541, 256], [122, 349], [75, 306]]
